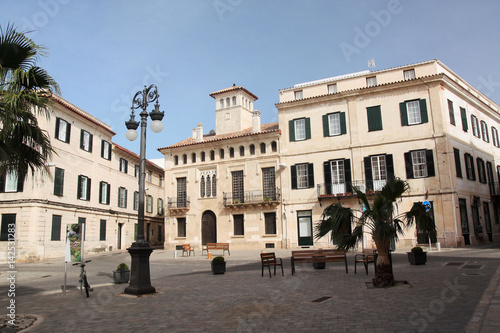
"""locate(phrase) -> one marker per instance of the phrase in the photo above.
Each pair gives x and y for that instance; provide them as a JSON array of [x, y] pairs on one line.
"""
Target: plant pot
[[121, 276], [218, 267], [417, 258]]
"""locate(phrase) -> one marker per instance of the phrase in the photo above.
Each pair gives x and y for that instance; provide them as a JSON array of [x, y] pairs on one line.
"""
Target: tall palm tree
[[381, 218], [25, 91]]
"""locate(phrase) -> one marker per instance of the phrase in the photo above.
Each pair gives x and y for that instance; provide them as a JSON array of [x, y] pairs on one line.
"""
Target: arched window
[[262, 148], [252, 149], [203, 156], [221, 103], [202, 186], [184, 159], [228, 102], [176, 160], [193, 158], [242, 151], [214, 186], [212, 155], [221, 153], [274, 146], [231, 152], [209, 187], [234, 100]]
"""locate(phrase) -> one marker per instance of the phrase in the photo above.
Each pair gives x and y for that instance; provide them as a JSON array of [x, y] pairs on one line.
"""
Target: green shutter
[[88, 188], [310, 175], [458, 165], [343, 128], [347, 175], [308, 128], [326, 127], [58, 181], [368, 173], [423, 111], [56, 228], [294, 176], [389, 162], [429, 158], [408, 166], [108, 189], [404, 114], [91, 139], [79, 187], [463, 113], [452, 113], [374, 118], [291, 125], [57, 127]]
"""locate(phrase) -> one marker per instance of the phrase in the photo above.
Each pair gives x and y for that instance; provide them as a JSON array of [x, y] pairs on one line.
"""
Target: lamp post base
[[140, 282]]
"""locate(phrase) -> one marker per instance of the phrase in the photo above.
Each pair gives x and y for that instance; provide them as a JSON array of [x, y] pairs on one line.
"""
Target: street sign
[[427, 205]]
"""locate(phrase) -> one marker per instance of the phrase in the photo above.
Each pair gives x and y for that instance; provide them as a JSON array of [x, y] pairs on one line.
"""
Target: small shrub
[[122, 267], [417, 249], [218, 259]]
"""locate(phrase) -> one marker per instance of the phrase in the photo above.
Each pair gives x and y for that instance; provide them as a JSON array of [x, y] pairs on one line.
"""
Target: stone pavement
[[456, 291]]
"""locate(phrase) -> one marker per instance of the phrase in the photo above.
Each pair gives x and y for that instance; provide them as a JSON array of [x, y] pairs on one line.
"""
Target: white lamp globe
[[131, 134], [156, 126]]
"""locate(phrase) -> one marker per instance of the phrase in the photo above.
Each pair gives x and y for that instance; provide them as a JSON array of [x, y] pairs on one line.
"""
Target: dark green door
[[304, 221]]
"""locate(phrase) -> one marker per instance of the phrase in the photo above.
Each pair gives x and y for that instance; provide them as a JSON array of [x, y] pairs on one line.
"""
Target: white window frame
[[83, 186], [475, 126], [494, 135], [302, 176], [334, 127], [104, 193], [149, 204], [413, 112], [300, 129], [371, 81], [123, 165], [419, 163], [11, 181], [409, 74], [106, 150], [332, 88], [299, 94], [484, 130], [63, 127], [86, 140], [122, 194]]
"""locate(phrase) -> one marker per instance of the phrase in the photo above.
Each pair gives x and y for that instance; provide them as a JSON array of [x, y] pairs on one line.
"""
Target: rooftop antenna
[[371, 64]]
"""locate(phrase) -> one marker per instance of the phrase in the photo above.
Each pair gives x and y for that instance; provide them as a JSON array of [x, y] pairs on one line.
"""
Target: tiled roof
[[234, 87], [265, 128]]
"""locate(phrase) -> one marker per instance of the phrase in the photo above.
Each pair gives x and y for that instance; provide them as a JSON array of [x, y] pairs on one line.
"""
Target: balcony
[[252, 199], [346, 189], [178, 206]]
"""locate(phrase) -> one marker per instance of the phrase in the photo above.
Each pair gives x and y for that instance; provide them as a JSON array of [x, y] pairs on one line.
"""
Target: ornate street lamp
[[140, 282]]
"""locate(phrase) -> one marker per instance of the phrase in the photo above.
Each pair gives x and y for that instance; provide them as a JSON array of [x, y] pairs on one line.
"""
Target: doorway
[[119, 236], [464, 220], [304, 221], [208, 228]]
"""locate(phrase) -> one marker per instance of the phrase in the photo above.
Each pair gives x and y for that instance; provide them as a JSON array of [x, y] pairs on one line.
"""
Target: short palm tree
[[380, 217], [25, 91]]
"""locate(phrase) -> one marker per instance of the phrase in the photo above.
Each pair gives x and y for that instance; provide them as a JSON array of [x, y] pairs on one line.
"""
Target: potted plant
[[417, 256], [122, 273], [218, 265]]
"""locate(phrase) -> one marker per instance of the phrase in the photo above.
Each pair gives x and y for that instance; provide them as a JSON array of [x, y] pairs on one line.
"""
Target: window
[[202, 157], [252, 149], [374, 115], [231, 152], [494, 135], [83, 188], [137, 171], [475, 126], [136, 200], [202, 187], [193, 158], [221, 103], [234, 100], [481, 171], [104, 190], [212, 155], [484, 130], [63, 130], [378, 168], [269, 183], [413, 112], [176, 160], [463, 115], [150, 176], [228, 102], [106, 150], [209, 186], [302, 176], [221, 153], [238, 224], [371, 81], [58, 181], [419, 164], [102, 230], [184, 159], [469, 167], [334, 124], [182, 192], [214, 186], [299, 94], [160, 206], [8, 224], [270, 223], [332, 88], [238, 187], [300, 129], [262, 147], [181, 227], [274, 146], [86, 141], [123, 165], [409, 74], [122, 197], [451, 112], [55, 234], [160, 180], [10, 182], [149, 204], [458, 165], [242, 151]]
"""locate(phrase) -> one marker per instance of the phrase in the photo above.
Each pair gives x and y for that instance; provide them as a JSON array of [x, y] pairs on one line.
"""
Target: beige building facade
[[89, 181]]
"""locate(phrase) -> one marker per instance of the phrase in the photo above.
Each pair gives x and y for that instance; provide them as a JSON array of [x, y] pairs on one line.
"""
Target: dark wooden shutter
[[463, 113], [2, 183], [458, 165], [404, 114], [88, 188], [81, 139], [79, 187], [409, 166], [291, 126], [102, 149], [56, 228], [100, 192], [108, 189], [368, 173], [310, 175], [326, 127], [102, 230], [58, 181], [294, 177], [308, 128], [343, 127], [91, 139], [452, 112], [423, 111], [390, 166], [347, 175], [429, 158], [328, 177], [58, 120]]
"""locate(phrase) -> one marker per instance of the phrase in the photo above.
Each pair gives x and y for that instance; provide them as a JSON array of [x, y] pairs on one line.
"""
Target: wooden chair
[[187, 248], [367, 257], [268, 260]]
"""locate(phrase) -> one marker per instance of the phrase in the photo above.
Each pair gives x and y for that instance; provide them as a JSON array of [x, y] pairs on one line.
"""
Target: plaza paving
[[456, 291]]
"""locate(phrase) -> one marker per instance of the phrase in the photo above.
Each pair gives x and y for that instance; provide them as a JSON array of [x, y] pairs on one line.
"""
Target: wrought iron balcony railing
[[178, 202], [346, 188], [252, 197]]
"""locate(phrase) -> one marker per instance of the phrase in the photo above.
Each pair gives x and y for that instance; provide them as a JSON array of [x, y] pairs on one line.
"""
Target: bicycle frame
[[83, 277]]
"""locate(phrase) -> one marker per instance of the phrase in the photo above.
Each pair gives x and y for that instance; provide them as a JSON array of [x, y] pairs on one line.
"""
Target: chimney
[[255, 121], [194, 133], [200, 132]]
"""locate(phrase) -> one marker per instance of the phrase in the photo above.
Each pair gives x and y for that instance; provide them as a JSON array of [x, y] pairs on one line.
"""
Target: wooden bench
[[268, 260], [318, 256], [216, 246]]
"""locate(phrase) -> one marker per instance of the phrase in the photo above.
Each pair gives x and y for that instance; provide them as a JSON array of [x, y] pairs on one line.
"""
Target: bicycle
[[83, 277]]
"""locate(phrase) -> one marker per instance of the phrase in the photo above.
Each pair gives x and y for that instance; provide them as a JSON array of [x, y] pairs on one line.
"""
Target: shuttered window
[[413, 112], [374, 115]]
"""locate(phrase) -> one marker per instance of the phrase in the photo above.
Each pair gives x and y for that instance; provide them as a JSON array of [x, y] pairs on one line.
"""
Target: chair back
[[186, 247], [270, 256]]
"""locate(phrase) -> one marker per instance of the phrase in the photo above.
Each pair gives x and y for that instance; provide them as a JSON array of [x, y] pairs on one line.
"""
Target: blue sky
[[102, 52]]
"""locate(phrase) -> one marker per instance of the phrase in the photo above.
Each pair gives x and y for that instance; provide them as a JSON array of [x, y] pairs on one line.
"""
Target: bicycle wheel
[[86, 285]]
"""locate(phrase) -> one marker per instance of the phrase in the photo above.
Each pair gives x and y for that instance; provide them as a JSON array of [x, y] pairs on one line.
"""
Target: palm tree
[[382, 220], [25, 91]]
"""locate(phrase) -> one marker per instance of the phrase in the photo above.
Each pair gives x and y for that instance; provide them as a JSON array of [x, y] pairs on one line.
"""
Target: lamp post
[[140, 282]]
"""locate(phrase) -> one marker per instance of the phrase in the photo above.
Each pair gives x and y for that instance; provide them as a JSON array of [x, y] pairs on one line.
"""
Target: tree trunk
[[383, 275]]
